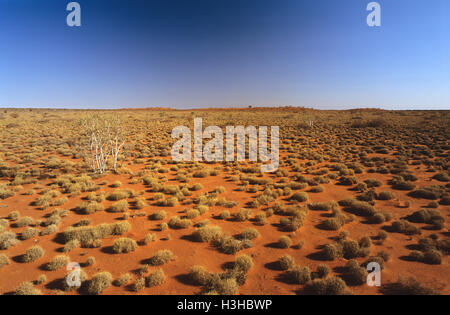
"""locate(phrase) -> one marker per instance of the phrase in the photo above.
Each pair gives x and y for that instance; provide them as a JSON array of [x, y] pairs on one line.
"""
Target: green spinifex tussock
[[87, 234]]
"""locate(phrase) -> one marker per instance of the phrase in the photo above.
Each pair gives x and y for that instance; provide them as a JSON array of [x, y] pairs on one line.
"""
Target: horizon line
[[223, 107]]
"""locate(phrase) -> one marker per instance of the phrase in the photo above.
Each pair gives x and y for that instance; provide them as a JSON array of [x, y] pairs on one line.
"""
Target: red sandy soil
[[262, 279]]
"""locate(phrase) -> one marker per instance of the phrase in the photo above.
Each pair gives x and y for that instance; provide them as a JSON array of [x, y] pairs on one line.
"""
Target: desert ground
[[353, 187]]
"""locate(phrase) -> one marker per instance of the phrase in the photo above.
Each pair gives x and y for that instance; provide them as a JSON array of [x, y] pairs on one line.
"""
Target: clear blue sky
[[196, 53]]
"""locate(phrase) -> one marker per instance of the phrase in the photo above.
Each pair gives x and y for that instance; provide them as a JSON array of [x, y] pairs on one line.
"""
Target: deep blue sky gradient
[[206, 53]]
